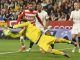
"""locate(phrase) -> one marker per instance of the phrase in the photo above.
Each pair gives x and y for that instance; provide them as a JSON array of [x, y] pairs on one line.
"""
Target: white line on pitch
[[8, 52], [2, 53]]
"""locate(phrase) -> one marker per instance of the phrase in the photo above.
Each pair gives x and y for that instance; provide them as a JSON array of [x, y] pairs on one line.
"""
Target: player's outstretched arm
[[21, 25], [7, 32], [17, 34]]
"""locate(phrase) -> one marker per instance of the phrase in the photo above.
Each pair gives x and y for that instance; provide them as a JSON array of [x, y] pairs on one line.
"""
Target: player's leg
[[79, 42], [30, 46], [74, 39], [74, 32], [45, 43], [48, 48], [22, 41], [54, 51], [61, 40]]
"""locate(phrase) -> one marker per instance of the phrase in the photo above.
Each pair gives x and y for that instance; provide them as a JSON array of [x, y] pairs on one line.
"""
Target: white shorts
[[75, 28]]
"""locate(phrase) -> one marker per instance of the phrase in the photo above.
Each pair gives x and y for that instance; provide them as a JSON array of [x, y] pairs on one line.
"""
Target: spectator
[[17, 7], [44, 3], [52, 7], [62, 17], [2, 17]]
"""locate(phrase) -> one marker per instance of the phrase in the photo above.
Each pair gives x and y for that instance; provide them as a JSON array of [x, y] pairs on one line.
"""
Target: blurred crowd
[[58, 10]]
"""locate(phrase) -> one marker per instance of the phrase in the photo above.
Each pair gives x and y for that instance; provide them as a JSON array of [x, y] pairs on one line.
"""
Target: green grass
[[13, 45]]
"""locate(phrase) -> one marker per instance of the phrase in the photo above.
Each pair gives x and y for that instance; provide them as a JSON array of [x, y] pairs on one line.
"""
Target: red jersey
[[28, 15]]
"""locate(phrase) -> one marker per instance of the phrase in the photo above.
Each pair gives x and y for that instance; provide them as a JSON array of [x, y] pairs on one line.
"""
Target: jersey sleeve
[[17, 34], [20, 16], [21, 25]]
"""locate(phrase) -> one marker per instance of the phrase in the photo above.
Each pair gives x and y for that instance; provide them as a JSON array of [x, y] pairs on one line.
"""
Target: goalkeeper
[[35, 35]]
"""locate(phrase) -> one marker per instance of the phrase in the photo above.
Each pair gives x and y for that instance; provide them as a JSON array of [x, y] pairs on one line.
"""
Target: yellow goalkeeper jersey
[[32, 32]]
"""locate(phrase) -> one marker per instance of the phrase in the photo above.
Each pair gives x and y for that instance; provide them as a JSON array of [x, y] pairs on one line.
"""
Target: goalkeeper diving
[[35, 35]]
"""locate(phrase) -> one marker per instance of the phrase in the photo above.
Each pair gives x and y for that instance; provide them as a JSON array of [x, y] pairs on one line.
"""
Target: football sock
[[31, 44], [52, 45], [79, 41]]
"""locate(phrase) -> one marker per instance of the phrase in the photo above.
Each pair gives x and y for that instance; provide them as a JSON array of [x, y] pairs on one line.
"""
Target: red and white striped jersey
[[28, 15]]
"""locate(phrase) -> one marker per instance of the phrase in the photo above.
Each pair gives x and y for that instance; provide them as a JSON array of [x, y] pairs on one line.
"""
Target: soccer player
[[40, 38], [75, 17], [42, 14], [30, 15]]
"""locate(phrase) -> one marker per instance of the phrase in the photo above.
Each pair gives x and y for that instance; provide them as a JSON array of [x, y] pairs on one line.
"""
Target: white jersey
[[75, 15], [43, 16]]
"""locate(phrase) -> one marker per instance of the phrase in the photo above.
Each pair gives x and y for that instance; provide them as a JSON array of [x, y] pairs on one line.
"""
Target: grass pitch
[[9, 51]]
